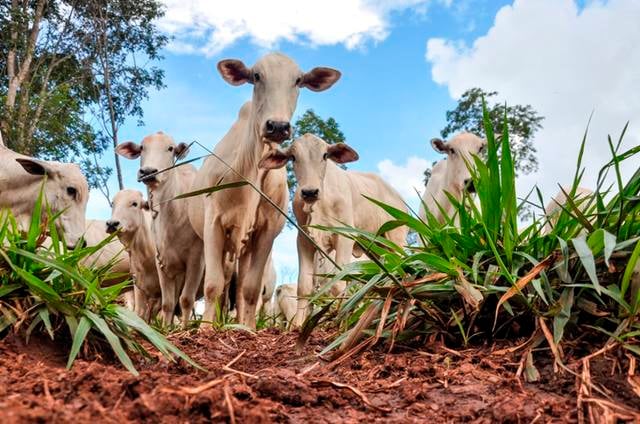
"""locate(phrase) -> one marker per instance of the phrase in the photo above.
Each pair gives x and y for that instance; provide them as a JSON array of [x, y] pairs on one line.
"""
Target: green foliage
[[522, 120], [50, 289], [59, 60], [486, 278]]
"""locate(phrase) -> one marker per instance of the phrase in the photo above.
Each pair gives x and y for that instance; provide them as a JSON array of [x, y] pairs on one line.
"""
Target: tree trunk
[[112, 112], [16, 76]]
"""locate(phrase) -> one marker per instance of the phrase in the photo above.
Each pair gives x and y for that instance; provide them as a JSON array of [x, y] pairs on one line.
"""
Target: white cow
[[451, 174], [330, 196], [131, 219], [65, 190], [237, 222], [179, 249], [554, 207]]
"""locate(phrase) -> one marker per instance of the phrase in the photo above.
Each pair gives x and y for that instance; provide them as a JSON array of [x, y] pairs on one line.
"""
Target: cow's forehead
[[126, 195], [466, 141], [158, 138], [73, 174], [277, 62], [309, 143]]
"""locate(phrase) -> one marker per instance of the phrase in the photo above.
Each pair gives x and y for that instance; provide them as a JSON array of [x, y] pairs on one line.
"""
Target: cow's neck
[[160, 197], [139, 243], [250, 152]]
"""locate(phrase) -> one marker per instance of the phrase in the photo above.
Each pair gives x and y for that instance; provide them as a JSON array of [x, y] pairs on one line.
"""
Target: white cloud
[[564, 61], [407, 178], [207, 27]]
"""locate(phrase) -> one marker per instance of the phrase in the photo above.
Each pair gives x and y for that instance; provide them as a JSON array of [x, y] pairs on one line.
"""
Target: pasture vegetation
[[490, 278], [50, 289], [478, 277]]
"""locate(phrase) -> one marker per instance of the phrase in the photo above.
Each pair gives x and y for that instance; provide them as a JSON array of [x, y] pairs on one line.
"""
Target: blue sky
[[404, 62]]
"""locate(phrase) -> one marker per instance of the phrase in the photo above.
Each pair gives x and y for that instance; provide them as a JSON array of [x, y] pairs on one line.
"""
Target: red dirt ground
[[272, 382]]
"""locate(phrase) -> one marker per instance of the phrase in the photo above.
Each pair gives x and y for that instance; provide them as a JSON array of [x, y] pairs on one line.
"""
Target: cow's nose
[[144, 173], [277, 131], [310, 194], [471, 188], [112, 226]]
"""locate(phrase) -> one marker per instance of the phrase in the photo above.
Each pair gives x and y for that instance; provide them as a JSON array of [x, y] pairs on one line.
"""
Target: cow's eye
[[298, 80], [141, 147], [325, 156], [293, 158], [134, 204], [256, 77], [453, 151], [72, 192], [170, 148]]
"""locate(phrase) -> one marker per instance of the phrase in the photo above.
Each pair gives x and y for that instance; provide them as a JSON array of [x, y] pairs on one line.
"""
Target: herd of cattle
[[177, 250]]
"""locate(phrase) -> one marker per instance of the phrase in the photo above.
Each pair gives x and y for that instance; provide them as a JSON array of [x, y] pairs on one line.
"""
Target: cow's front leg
[[250, 276], [344, 251], [168, 290], [139, 301], [214, 269], [192, 280], [306, 268]]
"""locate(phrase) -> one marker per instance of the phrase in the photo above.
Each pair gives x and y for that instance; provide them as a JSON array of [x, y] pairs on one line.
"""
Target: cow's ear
[[341, 153], [181, 150], [440, 146], [274, 159], [320, 79], [145, 205], [34, 166], [129, 150], [235, 72]]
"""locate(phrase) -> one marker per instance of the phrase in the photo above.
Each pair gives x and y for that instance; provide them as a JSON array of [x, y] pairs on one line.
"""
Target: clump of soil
[[262, 378]]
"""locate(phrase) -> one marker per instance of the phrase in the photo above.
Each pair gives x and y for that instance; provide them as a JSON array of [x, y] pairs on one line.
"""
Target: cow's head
[[309, 155], [276, 83], [459, 150], [157, 152], [66, 191], [127, 212]]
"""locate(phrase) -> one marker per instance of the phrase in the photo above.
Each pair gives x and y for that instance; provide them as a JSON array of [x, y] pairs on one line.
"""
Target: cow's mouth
[[271, 138], [148, 180]]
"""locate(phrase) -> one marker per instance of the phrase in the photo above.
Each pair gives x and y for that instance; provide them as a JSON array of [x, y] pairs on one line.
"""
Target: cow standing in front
[[450, 175], [131, 219], [178, 248], [330, 196], [237, 223]]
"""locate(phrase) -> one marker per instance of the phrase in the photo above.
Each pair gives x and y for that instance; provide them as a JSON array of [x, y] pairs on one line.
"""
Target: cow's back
[[367, 215]]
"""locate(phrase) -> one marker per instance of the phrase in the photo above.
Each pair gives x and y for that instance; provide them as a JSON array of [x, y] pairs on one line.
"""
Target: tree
[[523, 123], [311, 123], [44, 90], [61, 60], [120, 35]]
